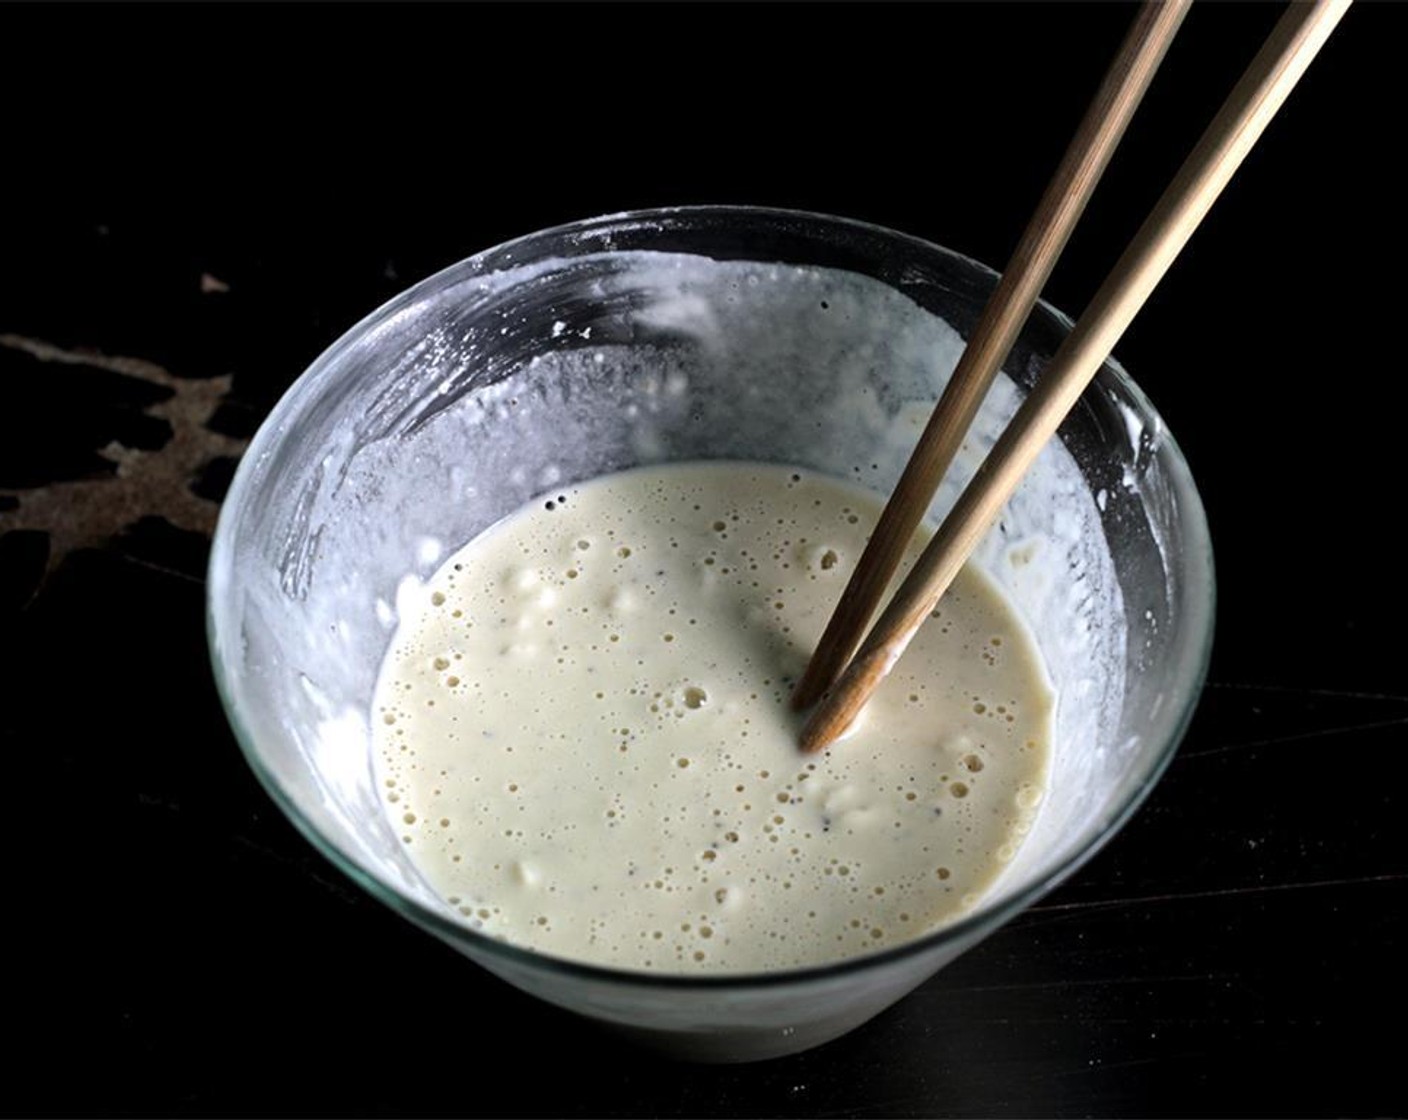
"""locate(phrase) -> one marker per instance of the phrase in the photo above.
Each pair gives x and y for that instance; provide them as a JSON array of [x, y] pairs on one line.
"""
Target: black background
[[176, 948]]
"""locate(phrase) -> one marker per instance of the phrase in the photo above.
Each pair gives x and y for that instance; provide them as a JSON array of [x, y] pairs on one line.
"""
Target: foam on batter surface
[[583, 738]]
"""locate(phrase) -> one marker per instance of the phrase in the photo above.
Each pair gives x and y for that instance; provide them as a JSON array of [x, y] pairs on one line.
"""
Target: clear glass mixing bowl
[[715, 332]]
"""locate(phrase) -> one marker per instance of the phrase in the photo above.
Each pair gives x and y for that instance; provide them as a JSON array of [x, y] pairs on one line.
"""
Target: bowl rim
[[1190, 670]]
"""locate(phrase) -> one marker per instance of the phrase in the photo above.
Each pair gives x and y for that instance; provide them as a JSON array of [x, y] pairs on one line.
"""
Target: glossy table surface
[[201, 200]]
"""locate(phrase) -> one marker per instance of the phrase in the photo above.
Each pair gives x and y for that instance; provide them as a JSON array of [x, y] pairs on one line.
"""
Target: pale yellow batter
[[583, 737]]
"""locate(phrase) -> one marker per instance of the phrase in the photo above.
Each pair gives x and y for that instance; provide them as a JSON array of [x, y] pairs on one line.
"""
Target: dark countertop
[[201, 200]]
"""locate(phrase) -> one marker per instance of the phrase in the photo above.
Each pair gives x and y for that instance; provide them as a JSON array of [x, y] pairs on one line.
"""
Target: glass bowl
[[683, 334]]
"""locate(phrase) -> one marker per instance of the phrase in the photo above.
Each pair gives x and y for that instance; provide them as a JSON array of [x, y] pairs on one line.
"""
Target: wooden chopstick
[[1293, 43], [1007, 309]]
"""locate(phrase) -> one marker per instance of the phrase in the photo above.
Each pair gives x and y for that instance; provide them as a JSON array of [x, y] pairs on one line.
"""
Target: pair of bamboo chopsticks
[[1293, 43]]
